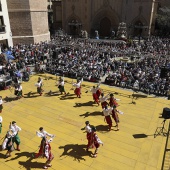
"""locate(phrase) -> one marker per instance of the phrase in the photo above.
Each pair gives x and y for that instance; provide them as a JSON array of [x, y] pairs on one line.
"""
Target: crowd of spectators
[[94, 59]]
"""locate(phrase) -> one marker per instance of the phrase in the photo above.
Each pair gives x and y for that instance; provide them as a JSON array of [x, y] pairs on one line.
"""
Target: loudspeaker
[[166, 113], [164, 72]]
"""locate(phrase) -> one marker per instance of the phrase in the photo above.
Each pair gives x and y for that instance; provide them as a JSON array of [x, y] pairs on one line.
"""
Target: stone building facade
[[105, 16], [28, 20], [5, 29]]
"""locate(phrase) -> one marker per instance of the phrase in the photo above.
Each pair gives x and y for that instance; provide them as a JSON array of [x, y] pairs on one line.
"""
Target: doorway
[[105, 27]]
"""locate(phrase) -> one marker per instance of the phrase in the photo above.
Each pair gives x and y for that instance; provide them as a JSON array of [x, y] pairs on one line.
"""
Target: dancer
[[61, 85], [47, 153], [1, 102], [115, 116], [103, 99], [8, 143], [112, 101], [39, 87], [107, 112], [98, 91], [95, 97], [16, 89], [43, 134], [96, 142], [77, 91], [88, 134], [19, 91], [15, 129], [41, 82]]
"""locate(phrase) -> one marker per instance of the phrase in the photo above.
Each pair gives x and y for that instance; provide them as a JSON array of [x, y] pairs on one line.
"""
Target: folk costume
[[45, 147], [1, 124], [43, 134], [8, 143], [77, 91], [103, 99], [95, 141], [39, 87], [107, 112], [115, 116], [48, 154], [112, 101], [1, 102], [88, 134], [41, 82], [95, 97], [98, 91], [19, 90], [15, 129], [61, 86], [16, 89]]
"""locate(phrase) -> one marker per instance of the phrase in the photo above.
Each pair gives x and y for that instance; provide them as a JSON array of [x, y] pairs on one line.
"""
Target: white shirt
[[98, 140], [108, 111], [20, 88], [38, 84], [15, 129], [61, 83], [103, 99], [43, 134], [1, 102], [41, 81], [93, 90], [88, 129], [1, 119], [77, 85]]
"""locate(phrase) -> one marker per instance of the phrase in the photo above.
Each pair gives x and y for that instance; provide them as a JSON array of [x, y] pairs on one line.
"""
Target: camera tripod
[[162, 130]]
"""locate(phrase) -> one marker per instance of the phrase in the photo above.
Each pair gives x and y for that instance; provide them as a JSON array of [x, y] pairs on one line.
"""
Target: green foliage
[[163, 21]]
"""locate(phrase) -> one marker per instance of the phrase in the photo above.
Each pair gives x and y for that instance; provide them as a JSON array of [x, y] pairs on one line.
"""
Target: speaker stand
[[133, 102], [162, 130]]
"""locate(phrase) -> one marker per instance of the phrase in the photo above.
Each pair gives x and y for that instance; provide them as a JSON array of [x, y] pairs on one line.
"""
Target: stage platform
[[133, 147]]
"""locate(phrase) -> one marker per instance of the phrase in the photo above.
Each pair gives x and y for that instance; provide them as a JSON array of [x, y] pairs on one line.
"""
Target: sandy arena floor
[[133, 147]]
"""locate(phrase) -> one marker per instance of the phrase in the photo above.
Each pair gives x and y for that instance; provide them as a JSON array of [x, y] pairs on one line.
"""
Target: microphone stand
[[133, 102]]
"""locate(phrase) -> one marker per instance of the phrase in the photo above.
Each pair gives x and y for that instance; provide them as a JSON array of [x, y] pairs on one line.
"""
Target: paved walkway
[[132, 148]]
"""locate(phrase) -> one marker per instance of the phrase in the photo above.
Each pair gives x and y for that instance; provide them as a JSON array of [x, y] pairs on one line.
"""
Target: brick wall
[[28, 18]]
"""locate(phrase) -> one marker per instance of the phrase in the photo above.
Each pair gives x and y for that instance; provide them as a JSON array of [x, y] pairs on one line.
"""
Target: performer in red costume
[[88, 134], [47, 153], [103, 99], [107, 112], [98, 91], [95, 97], [115, 116], [95, 141], [43, 134], [77, 91], [112, 101]]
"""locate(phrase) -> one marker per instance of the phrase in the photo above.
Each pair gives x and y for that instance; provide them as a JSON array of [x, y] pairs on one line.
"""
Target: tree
[[162, 25]]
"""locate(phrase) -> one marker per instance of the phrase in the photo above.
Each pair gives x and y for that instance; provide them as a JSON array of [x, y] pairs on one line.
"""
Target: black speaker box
[[164, 72], [166, 113]]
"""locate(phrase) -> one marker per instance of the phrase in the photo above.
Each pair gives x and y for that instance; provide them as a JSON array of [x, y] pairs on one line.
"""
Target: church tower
[[28, 20]]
